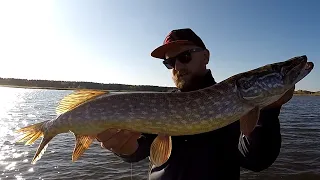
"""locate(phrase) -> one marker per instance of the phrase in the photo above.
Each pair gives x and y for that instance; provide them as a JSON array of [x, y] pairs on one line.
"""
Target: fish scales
[[87, 113], [177, 115]]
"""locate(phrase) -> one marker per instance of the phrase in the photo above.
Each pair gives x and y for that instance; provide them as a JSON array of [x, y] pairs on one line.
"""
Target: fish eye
[[244, 84]]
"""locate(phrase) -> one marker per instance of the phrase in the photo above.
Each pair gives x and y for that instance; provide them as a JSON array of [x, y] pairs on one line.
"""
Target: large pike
[[89, 112]]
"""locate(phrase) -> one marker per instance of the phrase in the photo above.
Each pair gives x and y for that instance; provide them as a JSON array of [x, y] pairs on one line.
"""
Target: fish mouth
[[309, 66], [297, 70], [295, 64]]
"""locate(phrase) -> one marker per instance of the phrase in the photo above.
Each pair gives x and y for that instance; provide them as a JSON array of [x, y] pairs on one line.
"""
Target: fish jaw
[[299, 72]]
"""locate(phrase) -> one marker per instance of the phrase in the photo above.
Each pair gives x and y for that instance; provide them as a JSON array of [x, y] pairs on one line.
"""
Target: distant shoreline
[[306, 93], [74, 85]]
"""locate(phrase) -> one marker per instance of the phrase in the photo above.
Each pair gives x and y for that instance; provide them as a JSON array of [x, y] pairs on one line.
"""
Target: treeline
[[50, 84], [305, 92]]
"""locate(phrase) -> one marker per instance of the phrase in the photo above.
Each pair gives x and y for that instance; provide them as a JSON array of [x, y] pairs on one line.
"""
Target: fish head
[[267, 84]]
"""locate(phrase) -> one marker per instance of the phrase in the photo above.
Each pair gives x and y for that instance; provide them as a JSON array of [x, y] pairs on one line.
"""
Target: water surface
[[299, 157]]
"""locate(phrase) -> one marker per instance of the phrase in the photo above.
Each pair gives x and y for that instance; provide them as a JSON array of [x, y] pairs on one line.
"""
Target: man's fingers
[[117, 140], [128, 145], [287, 97], [129, 148], [114, 140], [106, 135]]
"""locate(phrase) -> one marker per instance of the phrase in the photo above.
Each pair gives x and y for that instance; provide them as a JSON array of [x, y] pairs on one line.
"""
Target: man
[[214, 155]]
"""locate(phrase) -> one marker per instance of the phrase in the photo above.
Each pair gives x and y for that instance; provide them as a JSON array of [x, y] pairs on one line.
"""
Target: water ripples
[[299, 157]]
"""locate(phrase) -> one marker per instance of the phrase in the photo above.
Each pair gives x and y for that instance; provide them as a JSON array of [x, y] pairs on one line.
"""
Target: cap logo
[[171, 37], [168, 39]]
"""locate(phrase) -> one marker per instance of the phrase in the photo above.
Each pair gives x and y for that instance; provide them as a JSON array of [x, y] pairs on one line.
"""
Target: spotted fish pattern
[[89, 112]]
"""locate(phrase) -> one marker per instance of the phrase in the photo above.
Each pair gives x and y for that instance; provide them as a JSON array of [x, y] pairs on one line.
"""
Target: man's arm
[[143, 151], [261, 148]]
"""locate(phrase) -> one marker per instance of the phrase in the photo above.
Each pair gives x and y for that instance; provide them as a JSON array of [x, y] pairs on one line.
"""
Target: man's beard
[[183, 82]]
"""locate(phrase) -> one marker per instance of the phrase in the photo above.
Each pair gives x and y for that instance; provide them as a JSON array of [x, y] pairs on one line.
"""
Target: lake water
[[299, 157]]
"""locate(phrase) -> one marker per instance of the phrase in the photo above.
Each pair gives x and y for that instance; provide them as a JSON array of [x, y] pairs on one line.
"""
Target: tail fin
[[31, 134]]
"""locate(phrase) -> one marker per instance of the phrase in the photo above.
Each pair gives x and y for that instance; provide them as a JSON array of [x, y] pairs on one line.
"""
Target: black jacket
[[218, 154]]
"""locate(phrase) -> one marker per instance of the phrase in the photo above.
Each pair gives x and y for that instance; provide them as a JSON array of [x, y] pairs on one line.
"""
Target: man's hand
[[284, 99], [121, 142]]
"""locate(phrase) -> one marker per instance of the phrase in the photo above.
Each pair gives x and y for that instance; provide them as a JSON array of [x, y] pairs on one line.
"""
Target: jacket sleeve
[[259, 150], [143, 150]]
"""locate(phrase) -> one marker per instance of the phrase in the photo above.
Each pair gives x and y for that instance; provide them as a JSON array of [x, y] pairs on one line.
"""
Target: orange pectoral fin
[[249, 121], [160, 150]]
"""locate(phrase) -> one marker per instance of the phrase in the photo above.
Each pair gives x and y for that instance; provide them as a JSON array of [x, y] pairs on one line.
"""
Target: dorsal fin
[[77, 98]]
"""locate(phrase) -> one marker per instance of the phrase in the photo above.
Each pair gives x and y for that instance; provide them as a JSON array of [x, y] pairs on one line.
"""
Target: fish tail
[[33, 132]]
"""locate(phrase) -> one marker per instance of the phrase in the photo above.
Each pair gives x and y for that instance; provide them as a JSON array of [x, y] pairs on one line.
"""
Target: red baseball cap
[[176, 38]]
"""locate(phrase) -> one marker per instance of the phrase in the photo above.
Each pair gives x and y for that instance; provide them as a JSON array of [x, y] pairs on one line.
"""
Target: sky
[[111, 41]]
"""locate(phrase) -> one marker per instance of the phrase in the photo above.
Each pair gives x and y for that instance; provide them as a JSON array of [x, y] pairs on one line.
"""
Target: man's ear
[[206, 56]]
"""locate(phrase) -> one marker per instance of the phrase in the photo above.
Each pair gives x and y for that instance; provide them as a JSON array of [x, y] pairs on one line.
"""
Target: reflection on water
[[21, 107], [299, 157]]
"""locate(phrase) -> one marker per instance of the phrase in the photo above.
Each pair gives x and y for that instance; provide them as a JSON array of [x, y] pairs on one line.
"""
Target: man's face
[[184, 74]]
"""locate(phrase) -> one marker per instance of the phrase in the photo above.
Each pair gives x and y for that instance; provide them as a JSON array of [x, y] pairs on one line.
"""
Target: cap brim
[[160, 51]]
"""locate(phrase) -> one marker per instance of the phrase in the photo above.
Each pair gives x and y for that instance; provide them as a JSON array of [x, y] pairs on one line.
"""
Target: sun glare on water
[[10, 99]]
